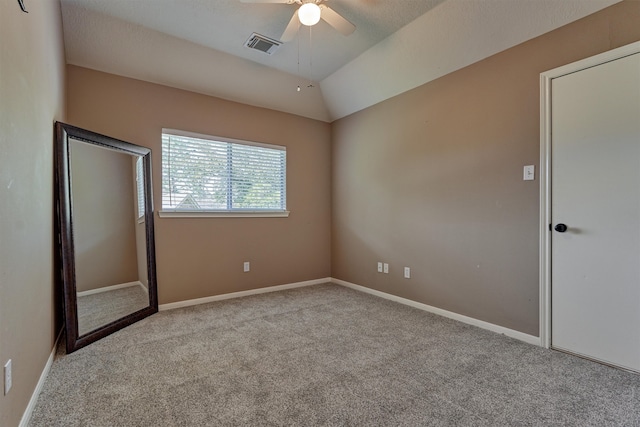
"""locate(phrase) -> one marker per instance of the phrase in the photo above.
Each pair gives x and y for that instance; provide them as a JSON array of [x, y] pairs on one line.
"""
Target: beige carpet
[[326, 355], [99, 309]]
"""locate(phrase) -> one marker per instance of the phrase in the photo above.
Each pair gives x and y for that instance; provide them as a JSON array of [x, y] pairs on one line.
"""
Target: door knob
[[561, 228]]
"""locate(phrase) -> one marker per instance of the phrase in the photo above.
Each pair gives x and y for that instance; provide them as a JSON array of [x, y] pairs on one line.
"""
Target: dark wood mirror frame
[[64, 229]]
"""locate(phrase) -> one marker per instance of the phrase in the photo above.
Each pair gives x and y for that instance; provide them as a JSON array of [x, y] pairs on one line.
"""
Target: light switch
[[529, 173]]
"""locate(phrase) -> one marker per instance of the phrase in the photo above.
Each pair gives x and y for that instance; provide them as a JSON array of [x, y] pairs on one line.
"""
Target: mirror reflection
[[104, 211], [107, 195]]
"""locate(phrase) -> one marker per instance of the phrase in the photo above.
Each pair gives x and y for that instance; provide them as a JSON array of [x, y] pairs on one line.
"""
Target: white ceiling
[[198, 45]]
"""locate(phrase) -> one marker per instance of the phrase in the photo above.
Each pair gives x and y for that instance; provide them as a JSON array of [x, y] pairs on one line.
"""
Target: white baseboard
[[197, 301], [530, 339], [24, 422], [111, 288]]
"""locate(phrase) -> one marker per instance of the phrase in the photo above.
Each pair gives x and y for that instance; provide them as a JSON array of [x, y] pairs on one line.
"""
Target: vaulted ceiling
[[199, 45]]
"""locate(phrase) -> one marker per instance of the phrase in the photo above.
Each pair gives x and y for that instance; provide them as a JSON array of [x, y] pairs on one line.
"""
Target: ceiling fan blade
[[268, 1], [292, 28], [336, 20]]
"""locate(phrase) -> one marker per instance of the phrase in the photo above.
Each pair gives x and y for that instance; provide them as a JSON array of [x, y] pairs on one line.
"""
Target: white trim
[[222, 214], [197, 301], [187, 134], [110, 288], [530, 339], [544, 304], [26, 416], [545, 173]]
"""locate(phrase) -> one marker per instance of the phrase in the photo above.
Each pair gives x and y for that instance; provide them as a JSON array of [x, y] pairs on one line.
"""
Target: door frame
[[545, 173]]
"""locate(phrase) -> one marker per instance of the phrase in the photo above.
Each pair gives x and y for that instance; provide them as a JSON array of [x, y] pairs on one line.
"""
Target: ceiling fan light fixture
[[309, 14]]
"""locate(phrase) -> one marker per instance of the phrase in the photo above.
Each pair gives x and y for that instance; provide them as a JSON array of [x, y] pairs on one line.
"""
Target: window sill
[[223, 214]]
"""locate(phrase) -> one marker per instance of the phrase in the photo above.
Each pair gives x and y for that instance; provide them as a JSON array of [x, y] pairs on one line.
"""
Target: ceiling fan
[[309, 13]]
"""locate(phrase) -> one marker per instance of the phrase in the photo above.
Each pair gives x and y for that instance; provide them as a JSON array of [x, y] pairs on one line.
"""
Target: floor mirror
[[104, 209]]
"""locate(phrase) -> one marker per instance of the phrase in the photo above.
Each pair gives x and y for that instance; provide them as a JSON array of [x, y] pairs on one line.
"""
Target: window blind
[[140, 186], [215, 174]]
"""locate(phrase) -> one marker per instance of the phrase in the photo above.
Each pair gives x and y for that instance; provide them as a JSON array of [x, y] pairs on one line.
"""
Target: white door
[[595, 192]]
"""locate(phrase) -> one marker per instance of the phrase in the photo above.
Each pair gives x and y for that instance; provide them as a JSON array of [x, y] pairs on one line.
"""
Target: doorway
[[590, 208]]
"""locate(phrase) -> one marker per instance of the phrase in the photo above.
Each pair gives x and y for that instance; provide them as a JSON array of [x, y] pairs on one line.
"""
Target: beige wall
[[200, 257], [31, 99], [432, 179], [104, 216]]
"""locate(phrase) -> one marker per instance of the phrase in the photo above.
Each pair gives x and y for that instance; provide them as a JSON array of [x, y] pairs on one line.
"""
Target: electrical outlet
[[7, 377], [385, 268], [379, 267], [407, 273], [247, 266]]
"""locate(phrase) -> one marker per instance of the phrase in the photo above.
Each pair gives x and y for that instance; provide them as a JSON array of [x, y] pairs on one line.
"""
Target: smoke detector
[[262, 43]]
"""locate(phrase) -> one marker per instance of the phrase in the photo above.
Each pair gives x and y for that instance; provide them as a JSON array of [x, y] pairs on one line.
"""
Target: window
[[140, 186], [210, 175]]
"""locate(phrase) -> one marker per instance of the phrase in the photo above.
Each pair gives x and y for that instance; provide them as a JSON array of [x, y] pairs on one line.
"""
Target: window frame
[[223, 213], [140, 202]]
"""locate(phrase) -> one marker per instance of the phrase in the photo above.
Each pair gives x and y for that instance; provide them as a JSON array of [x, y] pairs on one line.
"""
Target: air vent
[[262, 43]]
